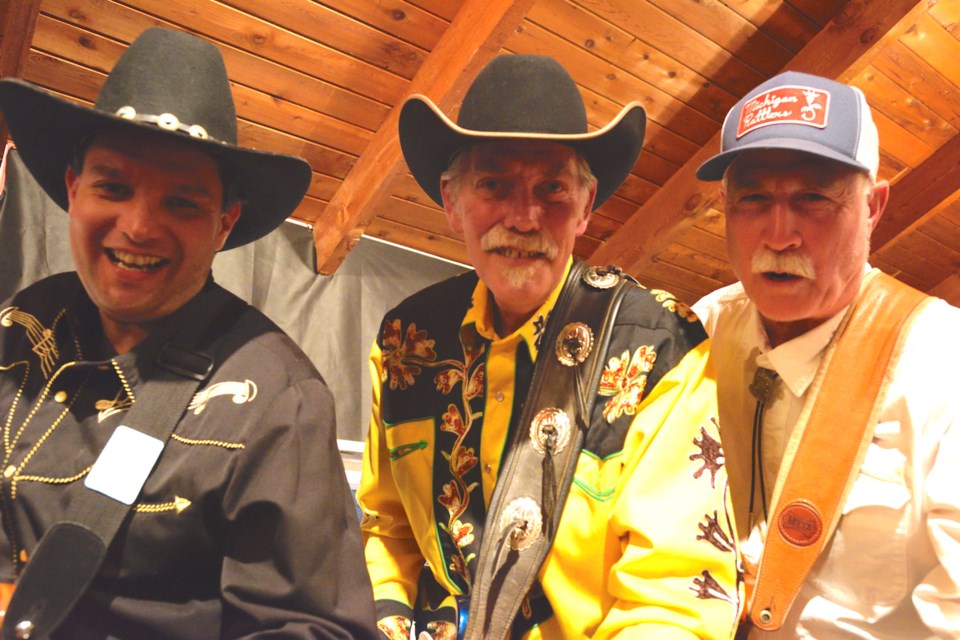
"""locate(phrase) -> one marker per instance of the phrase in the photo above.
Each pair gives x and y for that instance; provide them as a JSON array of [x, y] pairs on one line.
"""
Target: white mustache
[[499, 237], [765, 261]]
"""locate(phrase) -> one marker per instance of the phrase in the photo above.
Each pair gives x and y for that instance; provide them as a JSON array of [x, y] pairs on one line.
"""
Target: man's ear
[[228, 218], [877, 201], [72, 180], [587, 210], [449, 205]]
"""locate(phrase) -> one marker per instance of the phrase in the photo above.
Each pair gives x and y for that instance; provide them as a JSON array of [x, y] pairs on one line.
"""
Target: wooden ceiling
[[324, 80]]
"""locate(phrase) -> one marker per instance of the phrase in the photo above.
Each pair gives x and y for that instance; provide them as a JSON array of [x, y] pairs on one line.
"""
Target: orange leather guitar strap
[[833, 444]]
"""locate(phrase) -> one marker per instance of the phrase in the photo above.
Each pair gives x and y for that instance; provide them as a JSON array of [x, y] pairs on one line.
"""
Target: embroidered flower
[[447, 380], [451, 498], [462, 533], [462, 460], [395, 627], [623, 380], [401, 357], [453, 421], [670, 303]]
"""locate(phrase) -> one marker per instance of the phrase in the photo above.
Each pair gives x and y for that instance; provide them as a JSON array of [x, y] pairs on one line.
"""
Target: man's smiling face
[[798, 234], [146, 220]]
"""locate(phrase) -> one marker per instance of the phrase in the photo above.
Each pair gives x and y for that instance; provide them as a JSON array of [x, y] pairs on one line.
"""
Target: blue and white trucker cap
[[801, 112]]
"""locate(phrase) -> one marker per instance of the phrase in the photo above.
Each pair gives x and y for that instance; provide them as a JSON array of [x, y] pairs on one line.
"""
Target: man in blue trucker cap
[[839, 406]]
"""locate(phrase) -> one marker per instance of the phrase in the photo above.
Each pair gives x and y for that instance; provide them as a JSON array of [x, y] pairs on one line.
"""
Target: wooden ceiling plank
[[948, 289], [400, 19], [219, 22], [18, 18], [617, 84], [441, 246], [921, 81], [78, 45], [919, 195], [619, 48], [850, 37], [929, 40], [738, 35], [337, 31], [656, 29], [819, 11], [887, 97], [474, 37], [78, 82], [243, 67]]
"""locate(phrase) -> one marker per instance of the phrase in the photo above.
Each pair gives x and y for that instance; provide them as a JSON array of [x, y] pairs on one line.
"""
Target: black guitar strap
[[530, 493]]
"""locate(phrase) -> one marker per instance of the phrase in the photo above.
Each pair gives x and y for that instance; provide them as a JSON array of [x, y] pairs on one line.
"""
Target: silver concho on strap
[[550, 431], [525, 523], [574, 344], [602, 277]]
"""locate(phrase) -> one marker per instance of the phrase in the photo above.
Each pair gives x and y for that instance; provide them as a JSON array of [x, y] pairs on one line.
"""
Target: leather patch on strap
[[800, 524]]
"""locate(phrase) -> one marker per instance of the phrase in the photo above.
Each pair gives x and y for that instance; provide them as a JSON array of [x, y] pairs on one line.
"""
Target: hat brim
[[713, 169], [429, 140], [47, 130]]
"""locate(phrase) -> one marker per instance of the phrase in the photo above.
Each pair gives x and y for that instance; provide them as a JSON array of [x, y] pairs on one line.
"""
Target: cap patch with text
[[785, 105]]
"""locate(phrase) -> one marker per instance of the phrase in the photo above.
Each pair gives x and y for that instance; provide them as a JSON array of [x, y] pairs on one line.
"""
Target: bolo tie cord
[[760, 388]]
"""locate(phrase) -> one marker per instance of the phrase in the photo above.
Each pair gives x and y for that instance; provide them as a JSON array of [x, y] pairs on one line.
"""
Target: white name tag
[[124, 464]]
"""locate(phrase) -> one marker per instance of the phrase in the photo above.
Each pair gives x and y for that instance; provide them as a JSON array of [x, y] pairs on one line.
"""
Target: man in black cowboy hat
[[543, 456], [169, 459]]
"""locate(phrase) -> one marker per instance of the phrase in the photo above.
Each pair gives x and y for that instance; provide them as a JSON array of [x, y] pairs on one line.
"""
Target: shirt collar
[[480, 315]]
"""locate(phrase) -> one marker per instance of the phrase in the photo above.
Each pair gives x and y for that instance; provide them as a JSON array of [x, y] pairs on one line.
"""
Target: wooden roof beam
[[18, 19], [843, 48], [919, 195], [475, 37]]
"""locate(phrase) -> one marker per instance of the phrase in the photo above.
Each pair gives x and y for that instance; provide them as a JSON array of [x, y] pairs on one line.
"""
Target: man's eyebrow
[[188, 188]]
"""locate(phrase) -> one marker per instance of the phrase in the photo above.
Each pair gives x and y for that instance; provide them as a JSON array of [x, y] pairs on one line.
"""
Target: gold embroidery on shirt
[[106, 408], [242, 392], [209, 443], [49, 480], [123, 380], [670, 303], [41, 338], [178, 504]]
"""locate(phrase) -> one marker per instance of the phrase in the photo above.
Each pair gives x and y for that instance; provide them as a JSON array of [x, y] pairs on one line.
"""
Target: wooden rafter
[[473, 38], [919, 195], [18, 18], [841, 49]]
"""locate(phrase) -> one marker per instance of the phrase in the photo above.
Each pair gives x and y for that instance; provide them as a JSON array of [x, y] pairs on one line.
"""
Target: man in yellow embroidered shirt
[[644, 546]]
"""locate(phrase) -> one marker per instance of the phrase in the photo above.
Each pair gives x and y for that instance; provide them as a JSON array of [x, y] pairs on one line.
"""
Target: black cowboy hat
[[168, 82], [520, 97]]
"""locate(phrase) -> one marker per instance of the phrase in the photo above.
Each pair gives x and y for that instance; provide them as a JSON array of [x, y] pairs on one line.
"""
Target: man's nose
[[525, 211], [782, 233], [137, 221]]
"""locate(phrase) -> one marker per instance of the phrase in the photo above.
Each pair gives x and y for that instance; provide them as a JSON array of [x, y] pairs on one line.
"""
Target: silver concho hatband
[[524, 521], [574, 344], [550, 431]]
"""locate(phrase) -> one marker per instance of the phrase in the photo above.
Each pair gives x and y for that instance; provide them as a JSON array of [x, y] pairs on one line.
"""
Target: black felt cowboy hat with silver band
[[520, 97], [168, 82]]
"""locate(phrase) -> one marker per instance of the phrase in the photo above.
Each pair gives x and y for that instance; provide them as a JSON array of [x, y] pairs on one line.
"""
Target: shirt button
[[487, 468], [499, 396], [9, 471], [60, 396]]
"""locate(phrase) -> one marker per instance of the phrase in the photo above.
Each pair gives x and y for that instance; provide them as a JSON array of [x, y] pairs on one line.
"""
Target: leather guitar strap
[[828, 459], [530, 493], [70, 553]]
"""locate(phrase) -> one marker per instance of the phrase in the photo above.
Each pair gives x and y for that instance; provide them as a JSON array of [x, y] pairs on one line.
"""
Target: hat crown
[[171, 72], [523, 94]]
